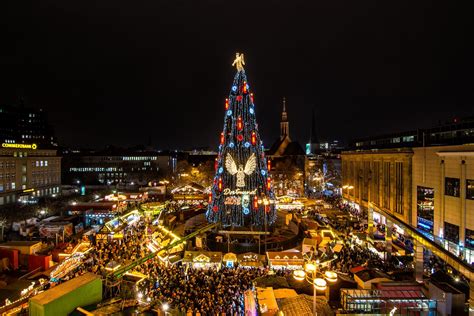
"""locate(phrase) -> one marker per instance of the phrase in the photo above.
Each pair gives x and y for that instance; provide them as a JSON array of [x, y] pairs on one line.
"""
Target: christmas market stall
[[189, 194], [203, 259], [251, 259], [230, 259], [113, 229], [285, 260]]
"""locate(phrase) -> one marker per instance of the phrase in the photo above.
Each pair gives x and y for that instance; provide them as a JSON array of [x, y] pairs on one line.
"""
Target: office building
[[28, 172], [429, 189], [24, 125], [115, 166]]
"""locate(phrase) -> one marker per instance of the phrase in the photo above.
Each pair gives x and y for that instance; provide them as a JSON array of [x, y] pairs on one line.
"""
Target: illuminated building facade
[[429, 188], [28, 172], [113, 167]]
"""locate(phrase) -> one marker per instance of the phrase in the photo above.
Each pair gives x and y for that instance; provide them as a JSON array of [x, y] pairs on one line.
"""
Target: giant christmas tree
[[242, 192]]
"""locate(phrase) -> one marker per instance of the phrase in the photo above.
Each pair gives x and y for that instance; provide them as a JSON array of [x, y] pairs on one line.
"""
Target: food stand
[[230, 259], [203, 259], [189, 194], [285, 260], [251, 259]]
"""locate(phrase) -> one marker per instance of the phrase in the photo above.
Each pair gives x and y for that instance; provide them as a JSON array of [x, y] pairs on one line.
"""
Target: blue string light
[[237, 209]]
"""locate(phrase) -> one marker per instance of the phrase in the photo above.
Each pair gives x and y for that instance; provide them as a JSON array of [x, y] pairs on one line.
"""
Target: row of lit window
[[41, 163], [7, 176], [7, 164], [139, 158], [32, 136], [93, 169], [8, 186]]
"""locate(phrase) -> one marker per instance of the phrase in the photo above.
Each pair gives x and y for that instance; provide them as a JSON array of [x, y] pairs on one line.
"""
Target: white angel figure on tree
[[241, 171]]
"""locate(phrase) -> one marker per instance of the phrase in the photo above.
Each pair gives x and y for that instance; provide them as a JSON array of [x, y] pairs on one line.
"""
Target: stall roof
[[284, 255], [266, 297], [370, 274], [56, 292], [202, 256]]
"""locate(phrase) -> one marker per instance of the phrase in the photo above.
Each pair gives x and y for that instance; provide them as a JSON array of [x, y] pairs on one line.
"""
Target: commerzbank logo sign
[[20, 146]]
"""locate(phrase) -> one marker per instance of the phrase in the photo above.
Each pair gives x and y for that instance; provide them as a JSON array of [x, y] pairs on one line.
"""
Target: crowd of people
[[210, 291], [198, 291]]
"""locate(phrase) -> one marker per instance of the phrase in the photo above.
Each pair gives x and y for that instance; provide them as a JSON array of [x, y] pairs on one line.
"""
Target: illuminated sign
[[28, 190], [20, 146], [237, 191]]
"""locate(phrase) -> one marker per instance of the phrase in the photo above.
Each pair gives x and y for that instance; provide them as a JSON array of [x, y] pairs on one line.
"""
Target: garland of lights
[[241, 193]]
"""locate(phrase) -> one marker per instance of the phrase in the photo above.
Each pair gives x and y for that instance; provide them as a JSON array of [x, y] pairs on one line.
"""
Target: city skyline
[[119, 75]]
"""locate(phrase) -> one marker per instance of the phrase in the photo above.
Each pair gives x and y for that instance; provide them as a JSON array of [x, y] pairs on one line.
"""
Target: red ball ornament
[[239, 98], [215, 208], [240, 137]]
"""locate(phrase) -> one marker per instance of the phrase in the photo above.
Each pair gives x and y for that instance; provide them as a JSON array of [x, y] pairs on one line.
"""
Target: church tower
[[284, 125]]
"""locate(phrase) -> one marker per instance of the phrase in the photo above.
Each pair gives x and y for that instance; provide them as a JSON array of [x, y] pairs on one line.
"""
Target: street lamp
[[165, 307], [315, 277]]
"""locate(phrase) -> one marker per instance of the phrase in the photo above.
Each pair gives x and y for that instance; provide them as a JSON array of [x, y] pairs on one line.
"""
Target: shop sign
[[20, 146]]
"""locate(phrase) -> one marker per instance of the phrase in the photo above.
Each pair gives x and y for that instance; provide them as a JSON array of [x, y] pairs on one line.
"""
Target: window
[[37, 163], [451, 187], [425, 208], [386, 185], [45, 163], [365, 187], [376, 182], [399, 187], [470, 189], [469, 242], [13, 185], [451, 232]]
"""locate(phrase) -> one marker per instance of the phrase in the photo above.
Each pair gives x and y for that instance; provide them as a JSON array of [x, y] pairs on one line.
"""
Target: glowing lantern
[[239, 98], [240, 125], [244, 88], [269, 164], [269, 183], [210, 198], [253, 138], [222, 138], [255, 202], [216, 163], [219, 185], [215, 208], [251, 97], [226, 104]]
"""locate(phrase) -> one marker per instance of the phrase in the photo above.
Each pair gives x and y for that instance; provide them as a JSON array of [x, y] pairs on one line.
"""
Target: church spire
[[284, 125]]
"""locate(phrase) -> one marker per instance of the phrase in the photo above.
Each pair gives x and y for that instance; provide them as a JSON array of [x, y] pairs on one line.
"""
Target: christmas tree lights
[[241, 193]]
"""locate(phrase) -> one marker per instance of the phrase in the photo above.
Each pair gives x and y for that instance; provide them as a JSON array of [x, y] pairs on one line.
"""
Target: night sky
[[115, 72]]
